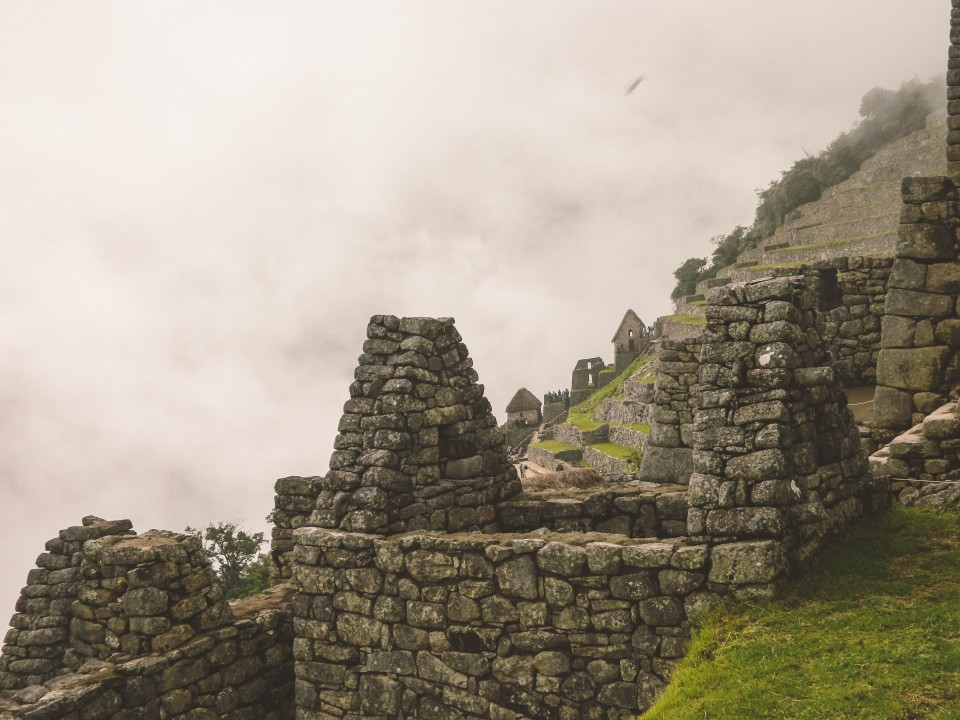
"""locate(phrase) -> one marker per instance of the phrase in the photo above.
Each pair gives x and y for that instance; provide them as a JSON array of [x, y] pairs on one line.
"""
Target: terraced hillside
[[856, 217]]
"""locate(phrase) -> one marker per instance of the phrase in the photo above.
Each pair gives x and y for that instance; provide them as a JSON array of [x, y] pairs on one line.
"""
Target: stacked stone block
[[669, 453], [491, 627], [778, 456], [144, 594], [242, 671], [135, 626], [953, 93], [294, 502], [641, 510], [918, 362], [419, 447], [40, 632], [851, 293], [928, 453]]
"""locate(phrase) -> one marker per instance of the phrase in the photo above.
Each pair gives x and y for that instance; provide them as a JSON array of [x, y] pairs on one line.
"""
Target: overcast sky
[[202, 204]]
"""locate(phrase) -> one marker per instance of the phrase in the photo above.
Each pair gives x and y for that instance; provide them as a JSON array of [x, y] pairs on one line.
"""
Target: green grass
[[686, 319], [639, 427], [873, 631], [621, 452], [829, 243], [554, 446], [582, 414]]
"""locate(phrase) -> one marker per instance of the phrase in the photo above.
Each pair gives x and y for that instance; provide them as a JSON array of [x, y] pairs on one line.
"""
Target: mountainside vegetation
[[886, 116], [871, 631]]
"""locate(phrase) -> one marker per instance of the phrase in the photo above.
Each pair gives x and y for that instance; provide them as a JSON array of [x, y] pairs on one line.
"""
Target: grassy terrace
[[829, 243], [686, 319], [553, 446], [621, 452], [873, 631], [582, 414]]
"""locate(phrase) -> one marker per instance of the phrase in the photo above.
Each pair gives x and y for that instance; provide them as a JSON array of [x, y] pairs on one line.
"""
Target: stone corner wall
[[920, 335], [778, 457], [668, 456]]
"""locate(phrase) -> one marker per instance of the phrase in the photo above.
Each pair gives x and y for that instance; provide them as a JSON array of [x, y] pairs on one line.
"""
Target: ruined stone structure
[[126, 626], [416, 580], [630, 341], [419, 447], [589, 374]]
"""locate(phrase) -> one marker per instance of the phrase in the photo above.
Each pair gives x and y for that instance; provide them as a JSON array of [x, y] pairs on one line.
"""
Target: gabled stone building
[[631, 339]]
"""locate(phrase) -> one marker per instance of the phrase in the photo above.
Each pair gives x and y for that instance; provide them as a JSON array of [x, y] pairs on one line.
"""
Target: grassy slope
[[872, 632], [582, 414]]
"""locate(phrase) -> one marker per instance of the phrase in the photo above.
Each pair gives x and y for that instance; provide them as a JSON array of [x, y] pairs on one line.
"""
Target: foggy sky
[[202, 204]]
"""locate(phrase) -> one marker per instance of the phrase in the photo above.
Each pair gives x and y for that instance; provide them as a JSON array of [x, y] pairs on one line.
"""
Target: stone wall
[[488, 626], [419, 447], [36, 647], [628, 437], [605, 464], [920, 334], [135, 626], [777, 453], [547, 459], [637, 510], [928, 454], [552, 411], [953, 93], [669, 453], [851, 293], [628, 410], [294, 501]]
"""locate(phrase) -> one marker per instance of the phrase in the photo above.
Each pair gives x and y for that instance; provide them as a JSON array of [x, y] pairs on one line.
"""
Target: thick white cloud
[[202, 206]]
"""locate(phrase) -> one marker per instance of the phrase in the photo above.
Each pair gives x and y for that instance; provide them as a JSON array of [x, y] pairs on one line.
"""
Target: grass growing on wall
[[872, 632]]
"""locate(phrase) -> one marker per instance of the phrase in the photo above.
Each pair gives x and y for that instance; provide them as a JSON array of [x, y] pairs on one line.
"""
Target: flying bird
[[633, 85]]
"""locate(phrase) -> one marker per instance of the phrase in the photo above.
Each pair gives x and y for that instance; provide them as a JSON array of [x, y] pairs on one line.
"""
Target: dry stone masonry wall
[[419, 447], [918, 362], [487, 626], [777, 453], [668, 456], [851, 293], [135, 626]]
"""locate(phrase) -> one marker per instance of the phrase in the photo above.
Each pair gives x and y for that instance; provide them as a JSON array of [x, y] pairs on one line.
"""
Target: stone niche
[[418, 445]]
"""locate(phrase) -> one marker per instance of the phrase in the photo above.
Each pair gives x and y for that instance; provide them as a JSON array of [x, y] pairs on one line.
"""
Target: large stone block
[[756, 466], [911, 303], [912, 369], [908, 274], [743, 563], [943, 278], [667, 464], [897, 331], [745, 522], [892, 408], [925, 242]]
